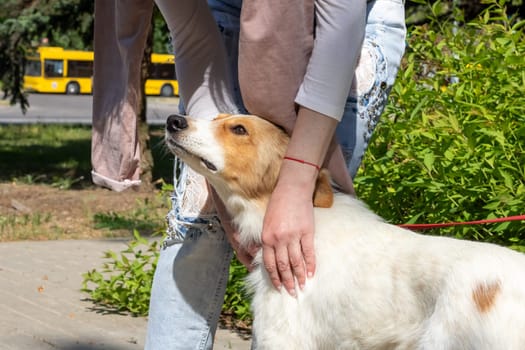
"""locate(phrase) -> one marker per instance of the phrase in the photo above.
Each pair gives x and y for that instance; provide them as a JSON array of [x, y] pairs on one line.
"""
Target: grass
[[21, 227], [143, 218], [60, 155], [47, 193], [36, 153]]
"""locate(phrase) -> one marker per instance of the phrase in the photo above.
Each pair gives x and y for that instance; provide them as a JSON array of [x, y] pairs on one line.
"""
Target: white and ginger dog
[[377, 286]]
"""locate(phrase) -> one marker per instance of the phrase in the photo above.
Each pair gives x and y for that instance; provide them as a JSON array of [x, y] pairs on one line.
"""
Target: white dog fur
[[377, 286]]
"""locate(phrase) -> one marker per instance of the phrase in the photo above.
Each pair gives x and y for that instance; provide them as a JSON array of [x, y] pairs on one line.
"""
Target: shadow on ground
[[27, 154], [96, 346]]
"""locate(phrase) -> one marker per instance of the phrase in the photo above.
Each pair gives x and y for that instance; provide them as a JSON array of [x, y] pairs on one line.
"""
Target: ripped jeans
[[381, 53], [192, 271]]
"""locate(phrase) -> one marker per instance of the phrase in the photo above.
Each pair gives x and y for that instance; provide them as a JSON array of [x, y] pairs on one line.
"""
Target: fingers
[[285, 265], [297, 265], [270, 265], [287, 239], [308, 253], [284, 269]]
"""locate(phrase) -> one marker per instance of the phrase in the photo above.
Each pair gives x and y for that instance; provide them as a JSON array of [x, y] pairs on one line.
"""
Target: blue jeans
[[192, 271], [189, 285]]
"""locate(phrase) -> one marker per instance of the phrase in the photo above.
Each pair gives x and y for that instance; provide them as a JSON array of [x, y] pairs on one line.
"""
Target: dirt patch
[[43, 212]]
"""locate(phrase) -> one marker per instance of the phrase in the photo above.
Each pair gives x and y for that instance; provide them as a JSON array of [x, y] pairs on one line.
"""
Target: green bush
[[450, 146], [124, 282]]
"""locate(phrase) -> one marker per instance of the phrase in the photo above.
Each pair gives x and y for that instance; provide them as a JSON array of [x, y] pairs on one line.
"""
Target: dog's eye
[[239, 130]]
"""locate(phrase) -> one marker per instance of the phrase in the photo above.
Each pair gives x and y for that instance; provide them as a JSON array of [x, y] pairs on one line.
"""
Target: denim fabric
[[188, 288], [383, 47], [190, 279]]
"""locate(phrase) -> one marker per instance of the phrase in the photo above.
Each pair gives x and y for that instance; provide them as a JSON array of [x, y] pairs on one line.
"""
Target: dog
[[377, 286]]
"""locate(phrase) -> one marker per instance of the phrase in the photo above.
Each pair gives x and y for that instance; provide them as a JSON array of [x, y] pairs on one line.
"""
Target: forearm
[[311, 138]]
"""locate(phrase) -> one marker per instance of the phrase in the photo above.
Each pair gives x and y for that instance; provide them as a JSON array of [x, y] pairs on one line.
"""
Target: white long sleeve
[[340, 29]]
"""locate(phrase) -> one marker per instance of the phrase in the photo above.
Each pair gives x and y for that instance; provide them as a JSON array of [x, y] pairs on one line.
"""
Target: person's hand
[[288, 229]]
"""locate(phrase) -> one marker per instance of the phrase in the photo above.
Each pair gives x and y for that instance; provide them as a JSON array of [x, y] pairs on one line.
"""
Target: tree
[[24, 23]]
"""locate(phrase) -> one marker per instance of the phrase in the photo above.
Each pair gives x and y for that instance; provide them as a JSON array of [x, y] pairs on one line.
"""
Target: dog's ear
[[323, 194]]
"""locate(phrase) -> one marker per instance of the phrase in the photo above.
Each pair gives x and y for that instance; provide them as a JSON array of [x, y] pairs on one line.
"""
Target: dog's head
[[238, 154]]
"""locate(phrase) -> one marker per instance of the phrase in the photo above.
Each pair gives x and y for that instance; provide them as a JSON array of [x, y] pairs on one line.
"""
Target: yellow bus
[[161, 76], [55, 70]]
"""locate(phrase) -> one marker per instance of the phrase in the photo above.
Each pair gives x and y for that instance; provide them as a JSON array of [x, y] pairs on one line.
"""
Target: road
[[52, 108]]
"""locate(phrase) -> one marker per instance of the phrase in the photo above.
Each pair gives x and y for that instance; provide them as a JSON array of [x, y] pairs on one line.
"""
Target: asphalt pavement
[[42, 307], [76, 109]]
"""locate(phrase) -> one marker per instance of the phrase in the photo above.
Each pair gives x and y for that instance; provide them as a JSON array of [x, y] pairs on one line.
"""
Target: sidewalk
[[41, 306]]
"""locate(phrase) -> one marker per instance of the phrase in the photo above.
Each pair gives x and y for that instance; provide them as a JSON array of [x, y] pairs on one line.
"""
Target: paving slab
[[42, 307]]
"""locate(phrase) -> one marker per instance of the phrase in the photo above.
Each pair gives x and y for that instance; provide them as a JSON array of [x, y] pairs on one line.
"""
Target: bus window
[[162, 71], [33, 68], [79, 69], [53, 68]]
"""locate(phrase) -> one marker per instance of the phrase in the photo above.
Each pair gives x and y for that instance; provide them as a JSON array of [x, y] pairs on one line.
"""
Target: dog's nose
[[176, 122]]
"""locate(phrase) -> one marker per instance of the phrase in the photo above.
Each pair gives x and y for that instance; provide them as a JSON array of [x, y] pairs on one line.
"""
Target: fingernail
[[301, 286], [292, 293], [310, 274]]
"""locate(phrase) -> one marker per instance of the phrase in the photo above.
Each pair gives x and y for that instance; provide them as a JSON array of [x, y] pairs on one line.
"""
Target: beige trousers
[[121, 29]]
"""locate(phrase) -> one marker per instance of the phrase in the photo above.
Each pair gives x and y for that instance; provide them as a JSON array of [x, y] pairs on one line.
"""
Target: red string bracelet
[[303, 162]]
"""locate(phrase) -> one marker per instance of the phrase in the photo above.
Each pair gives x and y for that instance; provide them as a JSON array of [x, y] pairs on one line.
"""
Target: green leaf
[[428, 160]]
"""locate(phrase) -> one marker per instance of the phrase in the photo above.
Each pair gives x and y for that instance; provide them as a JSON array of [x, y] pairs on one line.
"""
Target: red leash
[[449, 224]]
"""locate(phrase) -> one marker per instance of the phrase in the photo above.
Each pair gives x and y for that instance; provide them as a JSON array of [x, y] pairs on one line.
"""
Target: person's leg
[[189, 285], [121, 29], [375, 74], [192, 272]]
